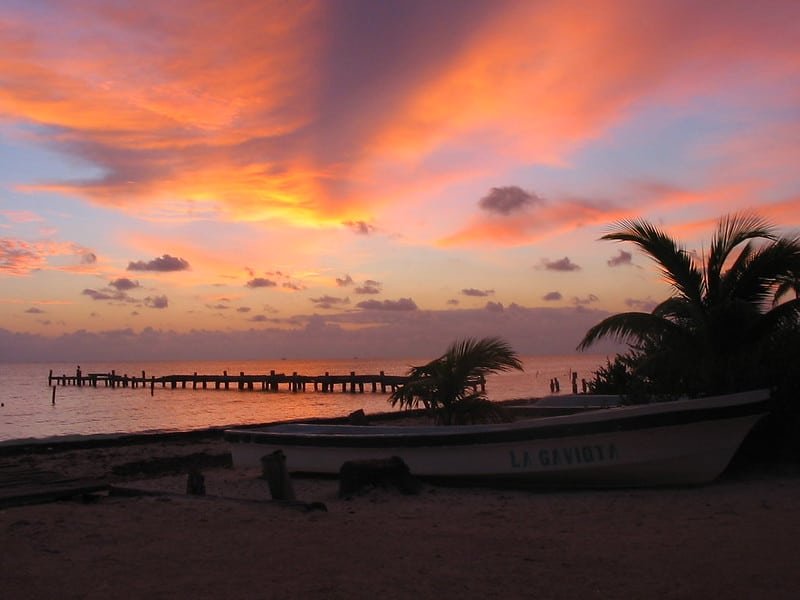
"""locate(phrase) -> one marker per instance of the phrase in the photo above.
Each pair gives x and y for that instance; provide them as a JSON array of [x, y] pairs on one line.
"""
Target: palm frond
[[629, 327], [678, 309], [762, 272], [786, 284], [733, 230], [483, 356], [782, 317], [674, 262], [445, 384]]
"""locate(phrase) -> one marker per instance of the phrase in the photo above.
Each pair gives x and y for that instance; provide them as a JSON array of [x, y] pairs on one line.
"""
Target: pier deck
[[380, 383]]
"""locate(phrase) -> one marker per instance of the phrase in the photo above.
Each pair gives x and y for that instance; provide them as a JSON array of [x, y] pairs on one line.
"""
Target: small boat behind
[[668, 443]]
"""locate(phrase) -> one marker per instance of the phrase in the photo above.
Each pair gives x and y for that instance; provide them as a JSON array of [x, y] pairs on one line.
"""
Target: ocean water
[[28, 412]]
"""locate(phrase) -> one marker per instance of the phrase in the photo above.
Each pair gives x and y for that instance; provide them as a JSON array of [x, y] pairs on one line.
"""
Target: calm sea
[[28, 411]]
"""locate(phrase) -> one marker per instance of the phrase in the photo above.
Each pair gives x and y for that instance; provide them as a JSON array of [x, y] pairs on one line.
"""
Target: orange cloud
[[290, 111], [540, 80]]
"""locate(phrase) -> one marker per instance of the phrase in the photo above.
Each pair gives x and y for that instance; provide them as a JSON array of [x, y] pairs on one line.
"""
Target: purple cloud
[[344, 281], [360, 227], [507, 200], [260, 282], [105, 295], [123, 284], [329, 301], [494, 306], [477, 293], [370, 287], [621, 259], [563, 264], [645, 305], [156, 302], [164, 263], [552, 296], [585, 300]]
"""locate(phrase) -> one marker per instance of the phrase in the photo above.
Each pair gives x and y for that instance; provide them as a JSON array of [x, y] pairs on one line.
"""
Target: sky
[[312, 179]]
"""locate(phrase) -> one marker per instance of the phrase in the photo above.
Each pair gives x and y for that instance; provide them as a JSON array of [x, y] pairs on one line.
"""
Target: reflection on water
[[28, 410]]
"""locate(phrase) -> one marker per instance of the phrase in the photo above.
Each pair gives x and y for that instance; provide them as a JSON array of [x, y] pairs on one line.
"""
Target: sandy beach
[[737, 538]]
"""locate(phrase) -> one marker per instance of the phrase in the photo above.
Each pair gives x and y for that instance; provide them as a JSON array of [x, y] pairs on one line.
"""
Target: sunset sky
[[372, 178]]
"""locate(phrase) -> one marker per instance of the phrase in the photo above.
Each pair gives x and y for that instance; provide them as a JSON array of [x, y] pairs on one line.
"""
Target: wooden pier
[[272, 382]]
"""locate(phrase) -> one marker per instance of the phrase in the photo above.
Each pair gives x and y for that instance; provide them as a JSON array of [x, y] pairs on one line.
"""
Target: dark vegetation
[[731, 324]]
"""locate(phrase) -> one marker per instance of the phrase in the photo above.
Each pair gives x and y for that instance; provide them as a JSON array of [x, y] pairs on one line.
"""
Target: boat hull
[[675, 443]]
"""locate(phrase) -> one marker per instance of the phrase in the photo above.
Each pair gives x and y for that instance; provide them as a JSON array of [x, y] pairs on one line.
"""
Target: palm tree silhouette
[[720, 329], [446, 386]]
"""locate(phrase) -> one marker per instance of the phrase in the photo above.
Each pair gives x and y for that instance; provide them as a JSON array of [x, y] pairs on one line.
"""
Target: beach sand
[[736, 538]]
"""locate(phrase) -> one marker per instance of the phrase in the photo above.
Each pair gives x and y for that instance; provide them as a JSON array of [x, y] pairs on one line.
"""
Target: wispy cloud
[[21, 257], [641, 304], [370, 286], [344, 281], [115, 295], [360, 227], [561, 264], [476, 292], [403, 304], [18, 257], [583, 301], [329, 302]]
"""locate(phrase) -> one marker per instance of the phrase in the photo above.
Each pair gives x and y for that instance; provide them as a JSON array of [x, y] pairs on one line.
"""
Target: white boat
[[668, 443]]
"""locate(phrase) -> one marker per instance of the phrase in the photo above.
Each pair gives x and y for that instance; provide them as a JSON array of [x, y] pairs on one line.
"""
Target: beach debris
[[357, 417], [173, 464], [380, 472], [305, 507], [273, 469], [195, 483]]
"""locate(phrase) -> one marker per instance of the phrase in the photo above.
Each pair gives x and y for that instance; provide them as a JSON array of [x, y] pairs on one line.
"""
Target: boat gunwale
[[601, 421]]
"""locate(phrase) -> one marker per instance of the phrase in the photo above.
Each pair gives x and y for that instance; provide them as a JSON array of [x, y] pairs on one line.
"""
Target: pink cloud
[[21, 216], [277, 111], [542, 222], [20, 257]]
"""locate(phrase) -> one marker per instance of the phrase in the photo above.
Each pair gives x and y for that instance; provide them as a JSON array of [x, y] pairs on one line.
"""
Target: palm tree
[[449, 386], [720, 329]]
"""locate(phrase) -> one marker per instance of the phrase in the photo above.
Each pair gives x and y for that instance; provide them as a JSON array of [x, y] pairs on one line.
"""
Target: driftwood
[[273, 469], [356, 474]]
